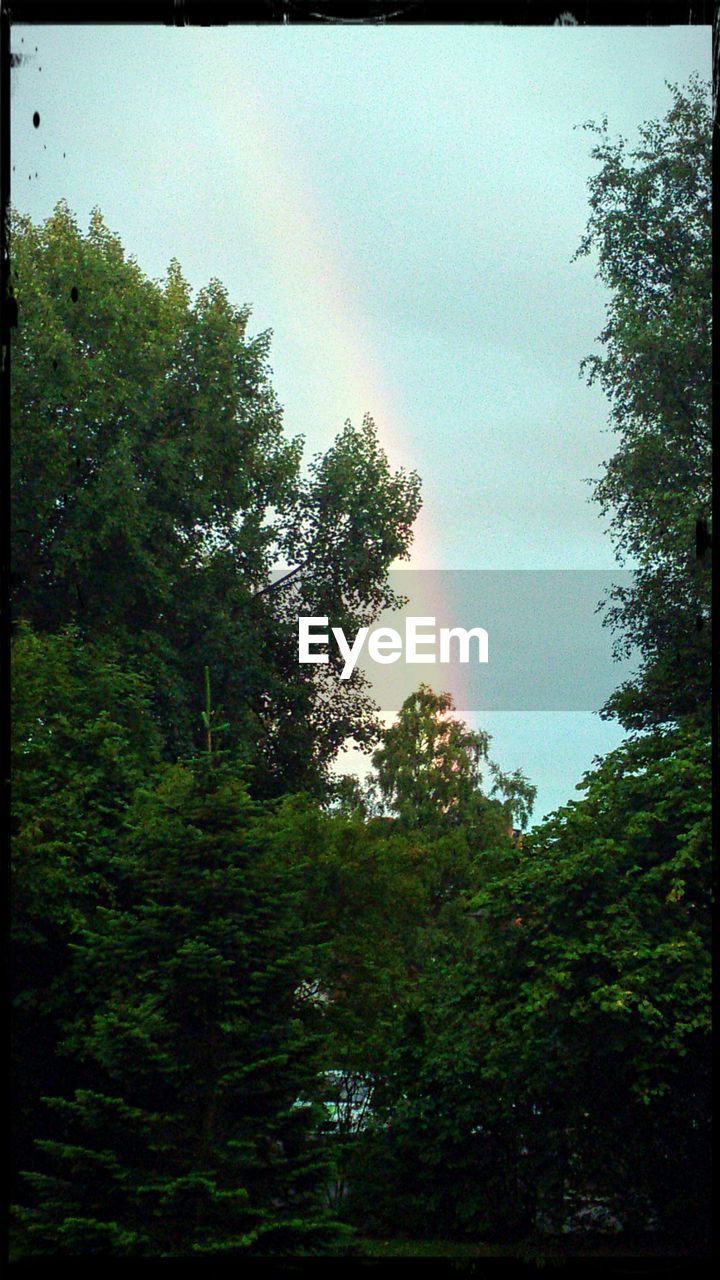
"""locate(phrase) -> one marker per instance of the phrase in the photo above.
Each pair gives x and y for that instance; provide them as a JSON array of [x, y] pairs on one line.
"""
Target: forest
[[262, 1008]]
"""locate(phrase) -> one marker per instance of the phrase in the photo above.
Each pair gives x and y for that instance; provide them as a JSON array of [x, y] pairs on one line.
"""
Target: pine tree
[[82, 742], [196, 1133]]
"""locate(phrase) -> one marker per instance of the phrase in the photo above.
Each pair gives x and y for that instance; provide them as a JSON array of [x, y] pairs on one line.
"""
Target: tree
[[154, 493], [368, 895], [424, 1164], [595, 972], [368, 901], [650, 229], [440, 1157], [82, 742], [192, 1132], [352, 519], [428, 769], [554, 1051], [391, 902]]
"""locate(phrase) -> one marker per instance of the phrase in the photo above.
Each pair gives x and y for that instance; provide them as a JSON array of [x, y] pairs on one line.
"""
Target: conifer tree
[[82, 742], [195, 1133]]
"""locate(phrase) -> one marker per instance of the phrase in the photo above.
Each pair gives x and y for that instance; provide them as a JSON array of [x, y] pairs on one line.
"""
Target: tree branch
[[271, 586]]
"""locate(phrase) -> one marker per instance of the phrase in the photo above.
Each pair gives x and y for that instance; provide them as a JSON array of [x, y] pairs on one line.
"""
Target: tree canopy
[[429, 768], [554, 1050], [650, 232], [192, 1132], [154, 493]]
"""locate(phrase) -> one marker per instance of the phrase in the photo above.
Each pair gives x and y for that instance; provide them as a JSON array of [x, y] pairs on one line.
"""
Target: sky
[[400, 206]]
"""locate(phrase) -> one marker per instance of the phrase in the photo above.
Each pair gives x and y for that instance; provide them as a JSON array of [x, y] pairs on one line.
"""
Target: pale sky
[[400, 206]]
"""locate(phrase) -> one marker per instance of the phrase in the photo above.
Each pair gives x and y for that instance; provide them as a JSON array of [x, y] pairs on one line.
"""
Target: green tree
[[368, 902], [391, 904], [429, 769], [555, 1047], [440, 1157], [423, 1165], [369, 898], [82, 742], [154, 493], [595, 971], [194, 1131], [650, 230]]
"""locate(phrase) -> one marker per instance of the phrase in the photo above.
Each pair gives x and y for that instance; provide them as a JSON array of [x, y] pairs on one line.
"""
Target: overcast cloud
[[401, 206]]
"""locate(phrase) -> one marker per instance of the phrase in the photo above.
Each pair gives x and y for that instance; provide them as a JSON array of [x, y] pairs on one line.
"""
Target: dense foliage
[[600, 1020], [429, 769], [255, 1007], [192, 1135], [554, 1055], [154, 492], [83, 740]]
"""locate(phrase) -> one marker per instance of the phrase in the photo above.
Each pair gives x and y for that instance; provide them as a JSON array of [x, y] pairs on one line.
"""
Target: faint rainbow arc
[[314, 276]]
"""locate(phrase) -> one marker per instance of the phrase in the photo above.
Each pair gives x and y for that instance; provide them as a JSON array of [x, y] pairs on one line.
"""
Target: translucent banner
[[497, 640]]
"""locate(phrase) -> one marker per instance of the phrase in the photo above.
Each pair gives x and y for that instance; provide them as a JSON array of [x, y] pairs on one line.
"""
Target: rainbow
[[317, 278]]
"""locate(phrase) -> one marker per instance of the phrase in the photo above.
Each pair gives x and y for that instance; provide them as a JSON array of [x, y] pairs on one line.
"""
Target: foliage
[[398, 892], [366, 900], [195, 1136], [367, 894], [391, 903], [428, 768], [154, 492], [523, 1022], [598, 947], [447, 1163], [82, 742], [555, 1050], [650, 227]]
